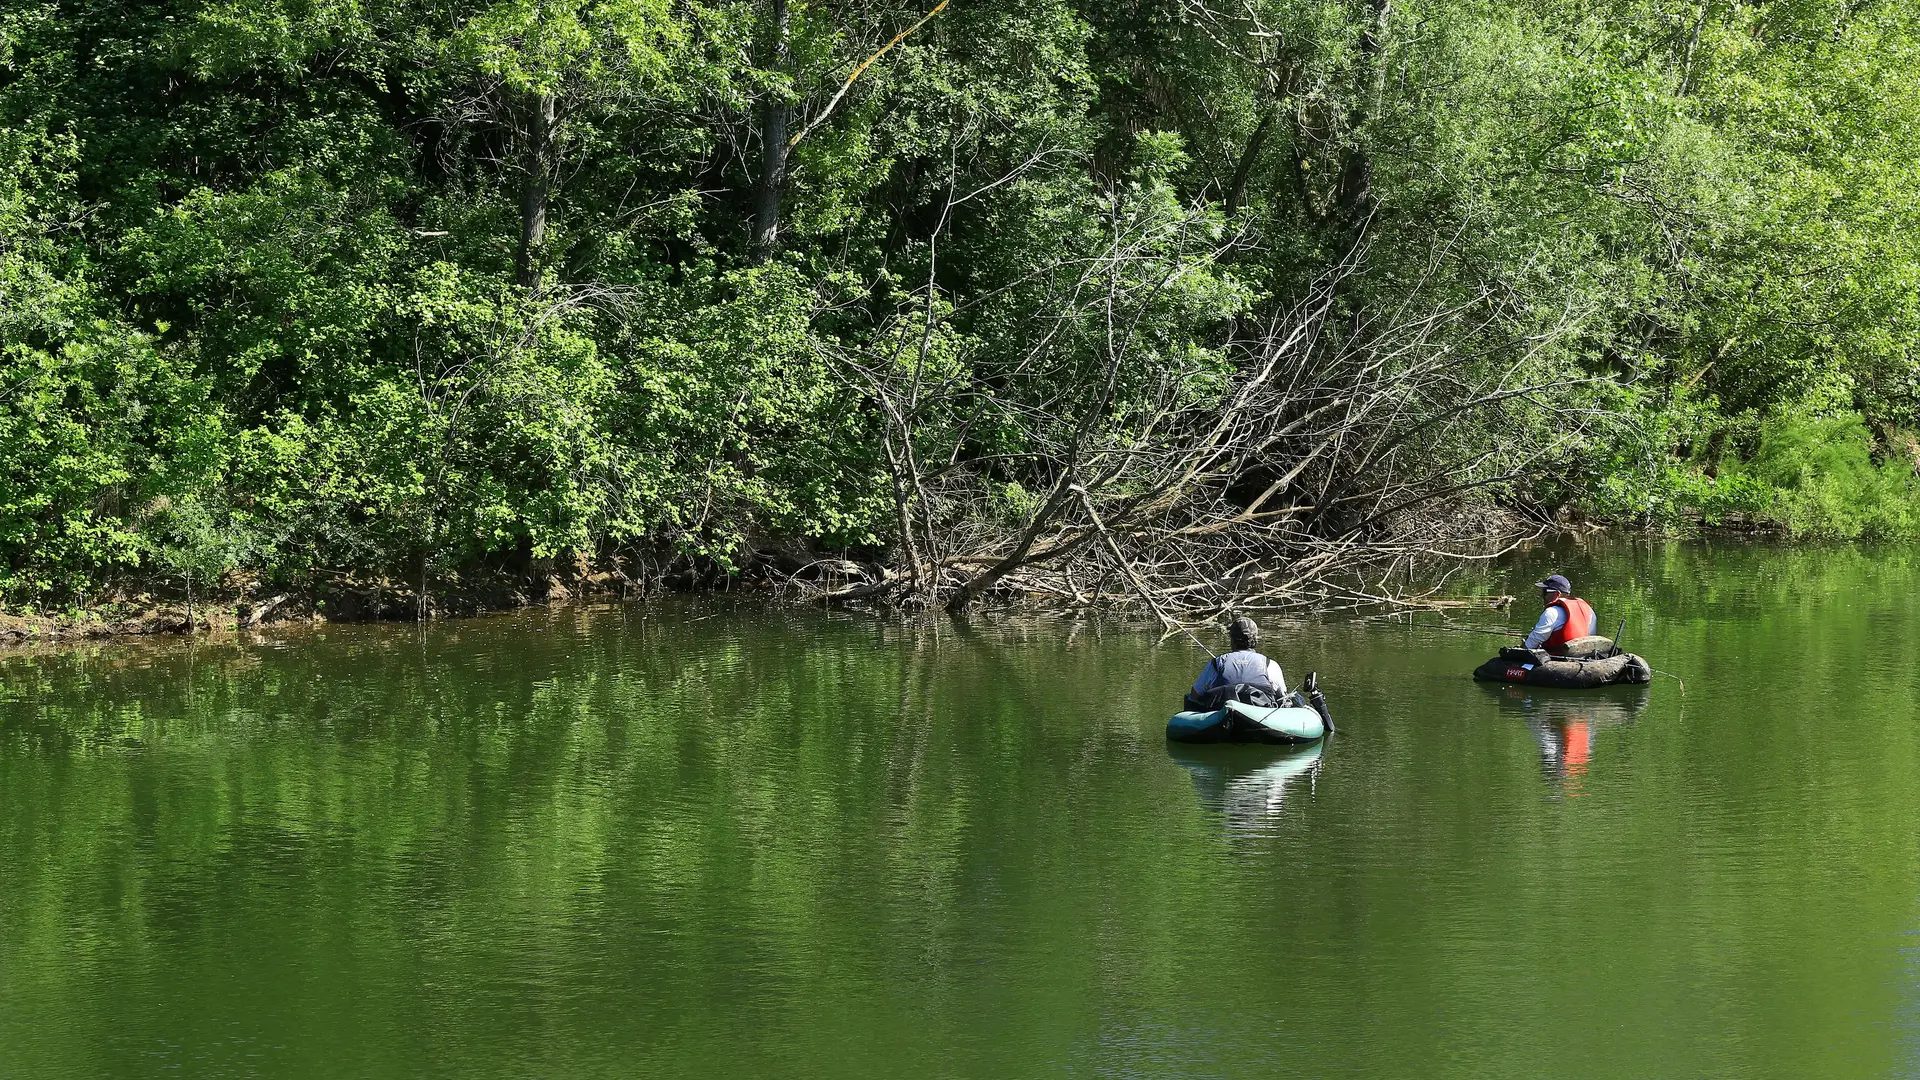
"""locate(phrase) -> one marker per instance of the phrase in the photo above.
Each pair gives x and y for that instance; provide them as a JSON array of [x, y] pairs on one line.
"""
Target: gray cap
[[1243, 630]]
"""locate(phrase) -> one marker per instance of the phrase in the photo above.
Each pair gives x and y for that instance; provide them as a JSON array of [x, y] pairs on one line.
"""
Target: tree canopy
[[408, 290]]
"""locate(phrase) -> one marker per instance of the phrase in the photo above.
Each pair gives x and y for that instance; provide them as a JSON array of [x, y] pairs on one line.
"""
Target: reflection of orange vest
[[1579, 623], [1579, 745], [1573, 766]]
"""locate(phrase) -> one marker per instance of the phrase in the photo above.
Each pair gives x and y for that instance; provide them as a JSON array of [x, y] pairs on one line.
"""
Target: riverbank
[[144, 618], [342, 599], [245, 605]]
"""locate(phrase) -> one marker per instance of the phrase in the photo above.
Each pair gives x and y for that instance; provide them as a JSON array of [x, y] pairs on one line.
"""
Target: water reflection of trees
[[627, 844], [812, 800]]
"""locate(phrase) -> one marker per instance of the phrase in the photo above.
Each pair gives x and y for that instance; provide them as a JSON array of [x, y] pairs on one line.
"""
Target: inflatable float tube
[[1590, 662], [1295, 721]]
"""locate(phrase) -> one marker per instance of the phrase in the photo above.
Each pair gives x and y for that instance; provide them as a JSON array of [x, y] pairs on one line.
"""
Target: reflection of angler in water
[[1247, 784], [1566, 725]]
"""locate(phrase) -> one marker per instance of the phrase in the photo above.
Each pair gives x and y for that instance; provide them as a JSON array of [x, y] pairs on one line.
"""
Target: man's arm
[[1204, 682], [1276, 676], [1550, 620]]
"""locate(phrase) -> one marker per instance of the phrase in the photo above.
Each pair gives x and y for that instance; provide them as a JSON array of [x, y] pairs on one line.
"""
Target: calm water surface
[[692, 841]]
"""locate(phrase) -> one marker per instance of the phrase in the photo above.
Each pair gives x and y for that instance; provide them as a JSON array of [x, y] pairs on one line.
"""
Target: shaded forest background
[[1169, 302]]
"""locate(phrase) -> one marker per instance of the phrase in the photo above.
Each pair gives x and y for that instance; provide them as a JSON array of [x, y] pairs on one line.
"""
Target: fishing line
[[1411, 625], [1195, 638], [1478, 630]]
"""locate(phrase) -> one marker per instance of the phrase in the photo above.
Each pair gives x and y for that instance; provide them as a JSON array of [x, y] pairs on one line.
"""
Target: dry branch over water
[[1334, 449]]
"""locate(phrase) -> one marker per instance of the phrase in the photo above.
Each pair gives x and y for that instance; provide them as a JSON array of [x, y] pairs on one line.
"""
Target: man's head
[[1553, 587], [1242, 632]]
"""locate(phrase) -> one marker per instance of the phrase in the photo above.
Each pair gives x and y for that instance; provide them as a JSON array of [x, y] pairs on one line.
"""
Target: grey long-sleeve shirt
[[1240, 666]]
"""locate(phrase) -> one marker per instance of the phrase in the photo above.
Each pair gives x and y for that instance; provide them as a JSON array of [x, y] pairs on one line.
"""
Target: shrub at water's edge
[[1805, 476]]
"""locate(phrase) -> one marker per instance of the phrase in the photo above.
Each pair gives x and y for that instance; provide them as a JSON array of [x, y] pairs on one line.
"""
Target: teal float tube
[[1294, 722]]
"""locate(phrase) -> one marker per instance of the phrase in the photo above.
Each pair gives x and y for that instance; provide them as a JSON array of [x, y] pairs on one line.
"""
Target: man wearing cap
[[1242, 667], [1566, 616]]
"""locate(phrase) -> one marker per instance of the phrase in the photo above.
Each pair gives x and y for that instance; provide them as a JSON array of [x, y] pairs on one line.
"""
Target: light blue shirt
[[1240, 666], [1551, 619]]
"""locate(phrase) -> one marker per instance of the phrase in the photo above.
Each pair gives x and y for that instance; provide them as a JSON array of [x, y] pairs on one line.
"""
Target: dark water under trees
[[694, 842]]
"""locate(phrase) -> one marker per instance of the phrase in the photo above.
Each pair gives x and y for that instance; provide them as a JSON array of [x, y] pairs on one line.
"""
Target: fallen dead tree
[[1338, 451]]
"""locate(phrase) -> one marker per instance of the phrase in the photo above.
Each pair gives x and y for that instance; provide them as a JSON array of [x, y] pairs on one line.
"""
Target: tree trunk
[[1693, 42], [1355, 198], [1237, 186], [776, 117], [537, 163]]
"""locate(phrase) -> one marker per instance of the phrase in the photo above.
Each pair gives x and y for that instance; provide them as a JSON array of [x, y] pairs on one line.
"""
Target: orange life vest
[[1579, 623]]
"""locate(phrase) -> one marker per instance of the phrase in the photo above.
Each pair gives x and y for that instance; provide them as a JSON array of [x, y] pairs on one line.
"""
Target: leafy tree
[[408, 291]]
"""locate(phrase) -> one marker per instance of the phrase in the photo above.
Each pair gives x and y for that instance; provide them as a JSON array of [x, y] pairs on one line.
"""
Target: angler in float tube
[[1244, 666], [1564, 617]]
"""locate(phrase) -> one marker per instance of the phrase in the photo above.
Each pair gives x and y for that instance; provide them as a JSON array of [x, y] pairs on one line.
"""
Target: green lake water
[[697, 840]]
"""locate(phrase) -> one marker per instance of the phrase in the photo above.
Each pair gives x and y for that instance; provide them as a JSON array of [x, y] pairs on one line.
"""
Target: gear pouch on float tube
[[1244, 693]]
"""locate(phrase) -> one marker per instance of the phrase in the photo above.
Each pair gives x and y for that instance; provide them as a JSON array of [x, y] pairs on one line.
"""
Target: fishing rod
[[1470, 629], [1191, 636], [1617, 650], [1195, 638]]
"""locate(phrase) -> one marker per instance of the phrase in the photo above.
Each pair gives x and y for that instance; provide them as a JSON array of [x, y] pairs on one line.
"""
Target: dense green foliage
[[406, 289]]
